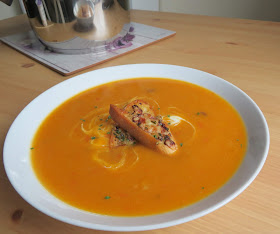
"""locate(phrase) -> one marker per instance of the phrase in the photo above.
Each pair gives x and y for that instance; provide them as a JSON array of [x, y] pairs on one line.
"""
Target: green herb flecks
[[32, 148], [201, 113], [168, 116], [237, 139], [154, 122], [107, 197], [99, 128], [100, 119], [202, 187], [181, 144], [100, 125], [169, 123], [93, 138], [120, 135], [241, 145], [109, 117], [83, 120], [96, 107], [108, 132]]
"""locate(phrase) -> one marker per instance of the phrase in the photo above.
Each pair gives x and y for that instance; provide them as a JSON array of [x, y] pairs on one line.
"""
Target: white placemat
[[65, 64]]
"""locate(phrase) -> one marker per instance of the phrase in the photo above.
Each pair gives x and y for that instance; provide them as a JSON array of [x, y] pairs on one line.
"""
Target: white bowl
[[20, 173]]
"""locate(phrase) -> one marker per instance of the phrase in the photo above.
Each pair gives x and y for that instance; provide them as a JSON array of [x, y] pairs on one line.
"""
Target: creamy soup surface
[[72, 158]]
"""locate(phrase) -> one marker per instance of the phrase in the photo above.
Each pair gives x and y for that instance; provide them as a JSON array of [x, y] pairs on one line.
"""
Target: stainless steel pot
[[77, 26]]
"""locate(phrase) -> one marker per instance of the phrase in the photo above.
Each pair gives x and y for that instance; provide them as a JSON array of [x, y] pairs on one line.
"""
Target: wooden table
[[243, 52]]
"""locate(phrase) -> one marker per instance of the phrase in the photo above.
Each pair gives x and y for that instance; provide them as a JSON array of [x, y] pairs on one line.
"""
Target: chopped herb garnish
[[99, 128], [96, 107], [168, 116], [108, 132], [198, 113], [158, 108], [93, 137], [202, 187], [241, 145], [100, 125], [181, 144], [100, 119], [32, 148], [169, 123], [83, 120], [109, 117], [107, 197], [237, 139], [118, 137], [155, 136], [154, 122], [134, 143]]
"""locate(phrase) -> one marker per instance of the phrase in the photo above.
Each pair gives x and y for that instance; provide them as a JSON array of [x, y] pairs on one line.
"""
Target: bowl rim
[[140, 227]]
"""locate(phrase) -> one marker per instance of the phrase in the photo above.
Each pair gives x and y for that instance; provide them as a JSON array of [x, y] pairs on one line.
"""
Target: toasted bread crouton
[[138, 119], [138, 107], [120, 137]]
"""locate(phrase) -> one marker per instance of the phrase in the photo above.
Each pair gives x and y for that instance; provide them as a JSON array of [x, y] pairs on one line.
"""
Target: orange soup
[[72, 158]]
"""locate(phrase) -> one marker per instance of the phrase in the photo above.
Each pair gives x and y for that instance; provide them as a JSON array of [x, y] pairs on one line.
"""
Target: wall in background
[[150, 5], [9, 11], [247, 9]]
